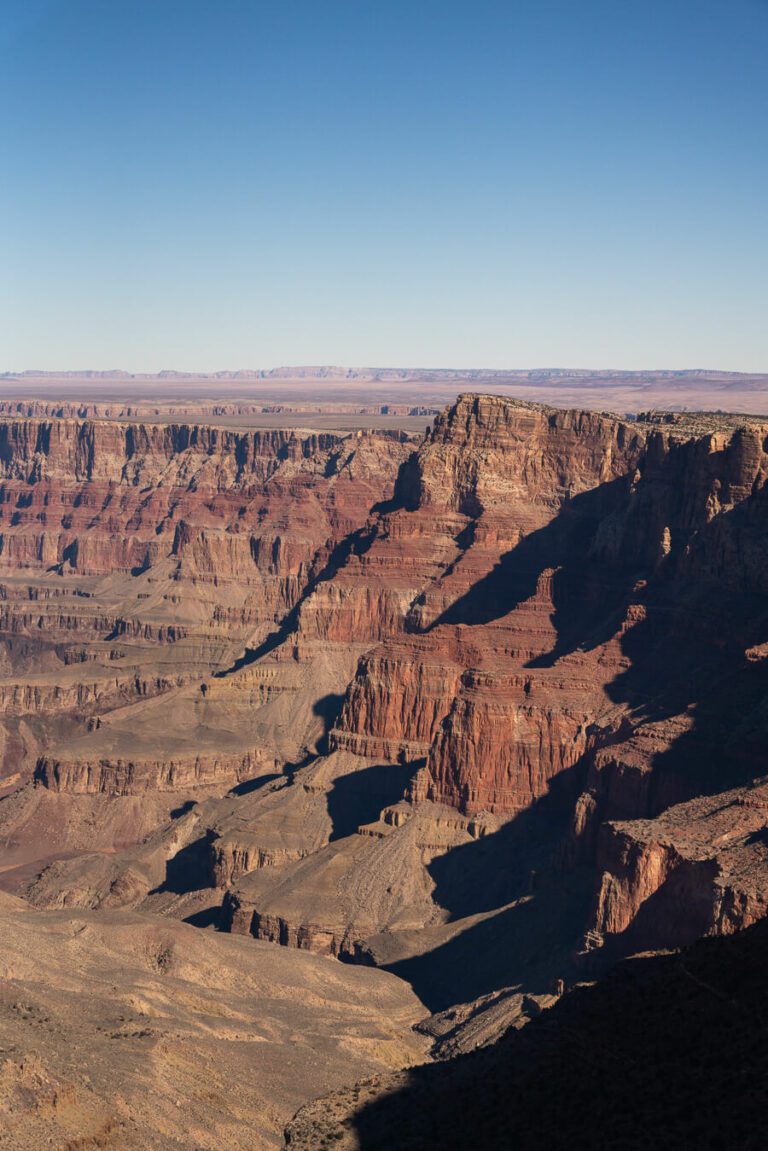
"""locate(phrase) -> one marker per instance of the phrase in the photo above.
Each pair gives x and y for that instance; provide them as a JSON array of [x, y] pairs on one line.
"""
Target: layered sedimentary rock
[[137, 561], [700, 868], [555, 616], [128, 777], [544, 600], [420, 692], [487, 711], [99, 498], [339, 898]]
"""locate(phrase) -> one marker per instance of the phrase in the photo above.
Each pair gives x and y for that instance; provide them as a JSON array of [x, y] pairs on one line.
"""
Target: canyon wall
[[546, 600], [411, 688]]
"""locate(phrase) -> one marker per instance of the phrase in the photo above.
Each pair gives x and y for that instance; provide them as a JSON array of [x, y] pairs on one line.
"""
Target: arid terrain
[[321, 723], [341, 399]]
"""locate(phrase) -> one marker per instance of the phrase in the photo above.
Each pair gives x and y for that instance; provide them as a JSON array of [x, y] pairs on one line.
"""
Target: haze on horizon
[[203, 186]]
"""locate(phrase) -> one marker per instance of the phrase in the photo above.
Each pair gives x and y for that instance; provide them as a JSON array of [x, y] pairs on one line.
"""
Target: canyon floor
[[334, 746]]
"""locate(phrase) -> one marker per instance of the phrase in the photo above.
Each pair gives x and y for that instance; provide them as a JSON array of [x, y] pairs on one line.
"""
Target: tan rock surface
[[132, 1033]]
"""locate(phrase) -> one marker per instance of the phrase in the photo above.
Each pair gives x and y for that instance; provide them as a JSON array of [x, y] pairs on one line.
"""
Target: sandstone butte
[[484, 709]]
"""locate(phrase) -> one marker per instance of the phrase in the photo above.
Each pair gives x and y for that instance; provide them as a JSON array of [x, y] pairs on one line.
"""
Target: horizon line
[[345, 370]]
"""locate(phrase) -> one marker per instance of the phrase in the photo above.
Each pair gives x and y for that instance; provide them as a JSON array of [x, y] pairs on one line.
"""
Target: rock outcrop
[[138, 561], [476, 688], [543, 603], [667, 1051], [700, 868]]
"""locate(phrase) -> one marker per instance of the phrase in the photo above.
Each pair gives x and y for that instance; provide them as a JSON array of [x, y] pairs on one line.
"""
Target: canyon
[[330, 751]]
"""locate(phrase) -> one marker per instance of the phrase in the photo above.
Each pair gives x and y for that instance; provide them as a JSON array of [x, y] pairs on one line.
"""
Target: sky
[[220, 184]]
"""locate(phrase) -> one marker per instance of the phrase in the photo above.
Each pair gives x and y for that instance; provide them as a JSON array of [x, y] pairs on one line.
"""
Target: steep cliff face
[[119, 776], [577, 559], [487, 711], [212, 529], [547, 599], [142, 453], [484, 453], [493, 479], [422, 691], [99, 497], [137, 559], [700, 868], [490, 472]]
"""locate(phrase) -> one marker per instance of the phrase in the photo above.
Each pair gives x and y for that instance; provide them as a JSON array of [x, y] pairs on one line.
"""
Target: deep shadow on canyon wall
[[668, 1051]]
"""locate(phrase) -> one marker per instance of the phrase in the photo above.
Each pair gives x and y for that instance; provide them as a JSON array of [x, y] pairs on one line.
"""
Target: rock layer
[[417, 690]]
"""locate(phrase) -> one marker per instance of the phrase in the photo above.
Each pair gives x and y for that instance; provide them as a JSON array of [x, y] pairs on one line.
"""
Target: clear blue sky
[[504, 183]]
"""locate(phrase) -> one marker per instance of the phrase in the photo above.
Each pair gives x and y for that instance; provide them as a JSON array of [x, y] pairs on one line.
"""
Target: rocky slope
[[487, 711], [536, 614], [668, 1051], [134, 1033], [544, 603]]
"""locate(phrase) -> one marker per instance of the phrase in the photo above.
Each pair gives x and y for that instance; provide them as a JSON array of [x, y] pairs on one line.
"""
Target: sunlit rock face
[[361, 695]]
